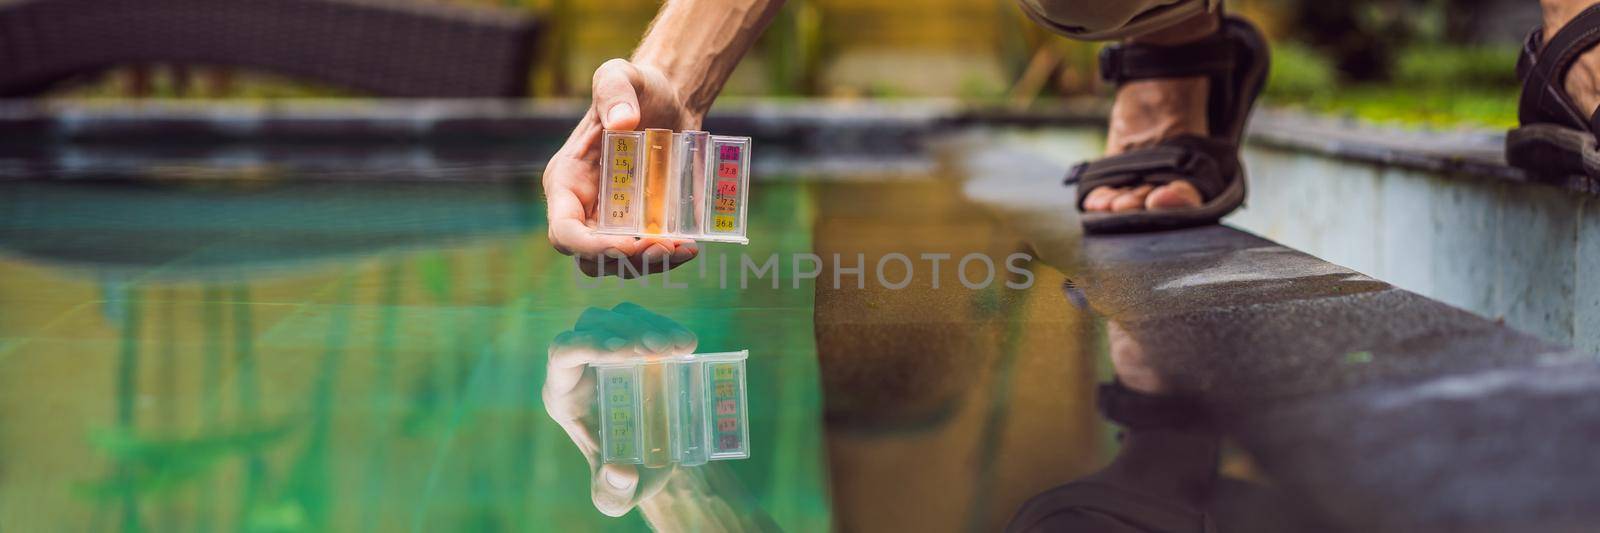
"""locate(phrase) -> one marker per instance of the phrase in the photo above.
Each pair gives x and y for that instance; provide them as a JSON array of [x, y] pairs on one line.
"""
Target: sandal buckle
[[1076, 174], [1111, 64]]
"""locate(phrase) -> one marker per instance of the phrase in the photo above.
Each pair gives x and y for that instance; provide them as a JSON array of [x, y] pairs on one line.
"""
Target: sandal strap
[[1208, 164], [1136, 410], [1212, 56], [1092, 505], [1544, 67]]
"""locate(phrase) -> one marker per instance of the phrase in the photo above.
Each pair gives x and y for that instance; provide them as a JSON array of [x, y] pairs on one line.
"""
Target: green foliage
[[795, 47], [1298, 72], [976, 87], [1435, 86], [1429, 106], [1454, 66]]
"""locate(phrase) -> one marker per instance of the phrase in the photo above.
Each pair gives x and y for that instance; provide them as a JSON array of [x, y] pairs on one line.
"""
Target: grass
[[1437, 107], [1434, 87]]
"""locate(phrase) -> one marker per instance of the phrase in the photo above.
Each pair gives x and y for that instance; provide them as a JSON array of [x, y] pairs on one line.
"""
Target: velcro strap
[[1213, 56], [1207, 164], [1135, 410], [1140, 162]]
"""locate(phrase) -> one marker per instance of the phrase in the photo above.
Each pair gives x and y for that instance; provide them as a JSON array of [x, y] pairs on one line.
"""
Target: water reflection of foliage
[[439, 354], [154, 466], [152, 462]]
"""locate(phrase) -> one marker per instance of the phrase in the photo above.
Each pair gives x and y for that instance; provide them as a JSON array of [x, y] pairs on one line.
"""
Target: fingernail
[[618, 111], [654, 253], [617, 481], [653, 341], [614, 253], [615, 343], [684, 252], [682, 338]]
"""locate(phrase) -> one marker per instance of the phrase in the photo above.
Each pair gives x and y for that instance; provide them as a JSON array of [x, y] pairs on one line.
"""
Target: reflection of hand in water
[[701, 498], [627, 332]]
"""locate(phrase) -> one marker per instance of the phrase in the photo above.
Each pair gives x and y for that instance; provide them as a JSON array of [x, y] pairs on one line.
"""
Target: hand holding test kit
[[688, 185]]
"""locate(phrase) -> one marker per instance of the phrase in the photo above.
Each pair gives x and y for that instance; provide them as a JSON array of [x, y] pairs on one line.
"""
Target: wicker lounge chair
[[386, 48]]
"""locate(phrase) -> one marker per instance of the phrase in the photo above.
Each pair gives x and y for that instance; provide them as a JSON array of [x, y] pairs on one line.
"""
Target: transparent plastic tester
[[688, 185], [686, 410]]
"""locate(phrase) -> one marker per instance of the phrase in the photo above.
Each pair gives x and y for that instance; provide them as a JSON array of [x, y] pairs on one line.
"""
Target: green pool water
[[295, 355]]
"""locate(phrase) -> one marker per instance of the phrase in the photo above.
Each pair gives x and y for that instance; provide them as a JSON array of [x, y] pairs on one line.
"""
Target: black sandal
[[1236, 60], [1165, 479], [1556, 139], [1109, 500]]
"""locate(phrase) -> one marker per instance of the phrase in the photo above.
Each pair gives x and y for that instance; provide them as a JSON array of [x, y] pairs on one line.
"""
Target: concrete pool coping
[[820, 125], [1384, 409], [1313, 368], [863, 127]]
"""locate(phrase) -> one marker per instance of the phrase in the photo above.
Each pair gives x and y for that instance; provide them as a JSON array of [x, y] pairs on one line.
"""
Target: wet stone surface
[[1500, 450], [1457, 423]]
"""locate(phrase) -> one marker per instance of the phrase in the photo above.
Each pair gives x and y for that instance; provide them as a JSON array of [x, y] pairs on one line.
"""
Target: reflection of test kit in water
[[685, 410], [689, 185]]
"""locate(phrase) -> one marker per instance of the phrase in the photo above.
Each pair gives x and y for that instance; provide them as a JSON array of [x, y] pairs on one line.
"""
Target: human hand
[[627, 96], [627, 332]]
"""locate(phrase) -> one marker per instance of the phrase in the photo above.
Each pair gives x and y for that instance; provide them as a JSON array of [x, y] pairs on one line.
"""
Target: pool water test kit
[[687, 185], [685, 410]]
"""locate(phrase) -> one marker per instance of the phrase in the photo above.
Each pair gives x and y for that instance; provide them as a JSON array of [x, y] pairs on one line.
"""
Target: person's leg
[[1147, 111], [1583, 81]]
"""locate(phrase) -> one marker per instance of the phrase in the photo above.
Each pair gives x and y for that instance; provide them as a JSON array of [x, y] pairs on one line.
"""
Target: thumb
[[616, 95], [613, 487]]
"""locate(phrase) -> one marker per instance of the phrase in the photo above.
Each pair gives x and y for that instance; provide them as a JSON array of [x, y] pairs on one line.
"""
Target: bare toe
[[1100, 198], [1132, 200], [1175, 195]]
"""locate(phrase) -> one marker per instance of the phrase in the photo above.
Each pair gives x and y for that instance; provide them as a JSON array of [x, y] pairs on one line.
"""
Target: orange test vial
[[658, 165]]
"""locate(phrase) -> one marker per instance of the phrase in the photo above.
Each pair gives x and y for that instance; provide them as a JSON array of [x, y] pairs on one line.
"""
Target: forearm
[[697, 44]]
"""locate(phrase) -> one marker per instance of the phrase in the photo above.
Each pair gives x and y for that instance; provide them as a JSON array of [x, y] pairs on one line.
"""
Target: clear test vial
[[620, 201], [689, 412], [728, 187], [620, 435], [727, 422], [689, 159], [655, 410]]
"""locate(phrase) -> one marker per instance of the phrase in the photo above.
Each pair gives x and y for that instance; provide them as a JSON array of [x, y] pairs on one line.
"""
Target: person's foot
[[1583, 80], [1148, 111], [1145, 112]]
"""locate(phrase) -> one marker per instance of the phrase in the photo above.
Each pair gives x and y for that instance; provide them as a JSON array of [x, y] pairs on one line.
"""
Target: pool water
[[304, 355]]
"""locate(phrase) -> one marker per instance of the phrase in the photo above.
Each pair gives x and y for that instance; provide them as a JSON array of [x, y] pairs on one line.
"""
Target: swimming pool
[[376, 336], [273, 351]]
